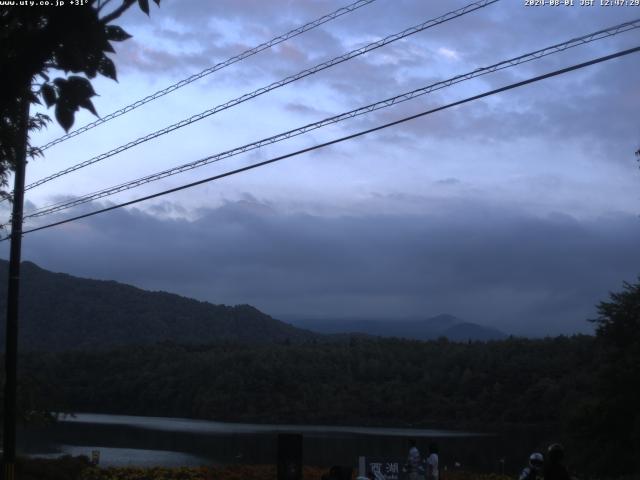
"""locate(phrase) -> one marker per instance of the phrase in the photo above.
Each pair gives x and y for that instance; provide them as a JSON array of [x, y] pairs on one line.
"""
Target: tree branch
[[102, 4], [117, 12]]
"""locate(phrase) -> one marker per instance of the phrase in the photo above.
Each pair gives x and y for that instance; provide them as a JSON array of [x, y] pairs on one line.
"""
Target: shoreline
[[192, 425], [80, 468]]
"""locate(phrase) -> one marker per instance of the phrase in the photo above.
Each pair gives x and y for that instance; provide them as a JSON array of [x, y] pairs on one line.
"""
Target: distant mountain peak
[[442, 322]]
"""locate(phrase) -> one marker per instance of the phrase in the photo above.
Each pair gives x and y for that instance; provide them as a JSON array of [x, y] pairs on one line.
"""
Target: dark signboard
[[385, 469]]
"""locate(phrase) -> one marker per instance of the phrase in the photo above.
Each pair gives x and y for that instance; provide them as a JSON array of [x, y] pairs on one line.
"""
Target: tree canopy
[[613, 421], [74, 40]]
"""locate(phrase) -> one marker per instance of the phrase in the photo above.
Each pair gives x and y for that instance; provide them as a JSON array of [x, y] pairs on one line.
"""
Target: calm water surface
[[145, 441]]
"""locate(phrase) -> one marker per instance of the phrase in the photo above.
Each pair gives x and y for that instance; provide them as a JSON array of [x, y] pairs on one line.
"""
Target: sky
[[518, 211]]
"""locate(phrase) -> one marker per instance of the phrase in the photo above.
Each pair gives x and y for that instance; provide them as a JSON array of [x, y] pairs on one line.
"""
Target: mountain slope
[[432, 328], [60, 312]]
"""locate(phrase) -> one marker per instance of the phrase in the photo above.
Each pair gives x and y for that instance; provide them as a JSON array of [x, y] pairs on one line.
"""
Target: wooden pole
[[11, 347]]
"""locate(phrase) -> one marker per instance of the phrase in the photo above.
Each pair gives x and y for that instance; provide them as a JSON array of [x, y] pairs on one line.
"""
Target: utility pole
[[11, 348]]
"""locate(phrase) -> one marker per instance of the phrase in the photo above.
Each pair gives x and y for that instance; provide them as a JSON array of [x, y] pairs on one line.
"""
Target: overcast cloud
[[492, 264], [519, 210]]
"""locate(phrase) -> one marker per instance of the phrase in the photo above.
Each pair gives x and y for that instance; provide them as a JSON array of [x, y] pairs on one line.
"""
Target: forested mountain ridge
[[432, 328], [63, 312]]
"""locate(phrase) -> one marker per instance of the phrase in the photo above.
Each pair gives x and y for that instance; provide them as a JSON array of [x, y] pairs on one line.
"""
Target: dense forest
[[373, 381]]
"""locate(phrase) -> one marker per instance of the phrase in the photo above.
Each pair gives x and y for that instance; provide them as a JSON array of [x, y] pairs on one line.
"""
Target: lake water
[[146, 441]]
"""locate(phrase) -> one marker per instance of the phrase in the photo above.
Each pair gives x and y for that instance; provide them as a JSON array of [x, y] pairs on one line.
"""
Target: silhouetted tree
[[37, 39], [73, 38], [609, 425], [619, 333]]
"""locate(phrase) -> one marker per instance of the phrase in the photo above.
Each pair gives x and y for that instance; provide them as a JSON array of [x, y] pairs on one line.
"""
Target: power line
[[341, 139], [219, 66], [560, 47], [292, 78]]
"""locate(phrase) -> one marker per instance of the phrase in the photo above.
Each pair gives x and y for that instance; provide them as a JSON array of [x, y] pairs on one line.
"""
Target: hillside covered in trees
[[62, 312], [432, 328]]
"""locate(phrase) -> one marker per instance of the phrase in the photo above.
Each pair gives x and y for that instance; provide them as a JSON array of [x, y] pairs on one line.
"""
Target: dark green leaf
[[89, 106], [33, 152], [108, 48], [33, 98], [49, 94], [107, 68], [116, 34], [81, 87], [40, 120], [93, 62], [72, 57], [64, 115], [144, 6], [73, 93]]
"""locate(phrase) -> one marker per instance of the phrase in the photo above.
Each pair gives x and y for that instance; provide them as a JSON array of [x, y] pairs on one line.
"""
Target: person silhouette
[[433, 470], [554, 469], [413, 460], [534, 470]]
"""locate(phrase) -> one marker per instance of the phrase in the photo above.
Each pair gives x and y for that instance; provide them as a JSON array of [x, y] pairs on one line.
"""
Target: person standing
[[433, 472], [413, 460], [534, 470], [554, 469]]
